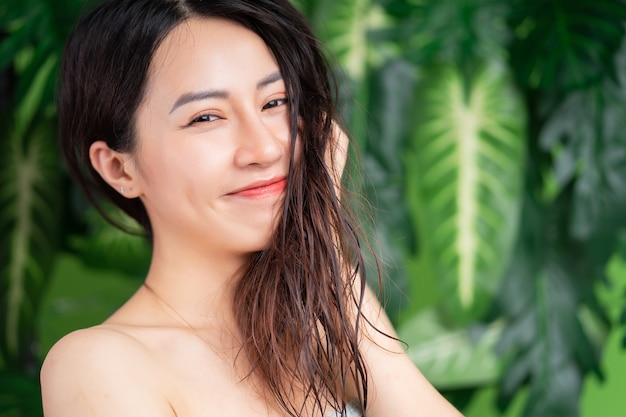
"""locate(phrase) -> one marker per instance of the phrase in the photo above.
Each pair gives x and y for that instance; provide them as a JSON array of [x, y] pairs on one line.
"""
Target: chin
[[249, 247]]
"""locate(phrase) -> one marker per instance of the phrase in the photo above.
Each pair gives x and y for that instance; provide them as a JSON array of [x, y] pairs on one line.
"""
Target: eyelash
[[276, 102], [204, 118]]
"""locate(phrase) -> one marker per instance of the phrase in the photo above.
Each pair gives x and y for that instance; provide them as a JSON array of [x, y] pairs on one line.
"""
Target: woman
[[210, 123]]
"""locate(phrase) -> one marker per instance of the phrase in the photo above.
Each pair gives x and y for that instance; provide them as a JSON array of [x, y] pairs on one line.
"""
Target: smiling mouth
[[262, 189]]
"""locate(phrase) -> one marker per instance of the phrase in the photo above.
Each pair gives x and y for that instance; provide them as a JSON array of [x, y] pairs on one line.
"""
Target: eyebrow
[[204, 95], [272, 78]]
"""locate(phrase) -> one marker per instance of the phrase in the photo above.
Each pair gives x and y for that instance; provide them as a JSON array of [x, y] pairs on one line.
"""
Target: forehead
[[209, 53]]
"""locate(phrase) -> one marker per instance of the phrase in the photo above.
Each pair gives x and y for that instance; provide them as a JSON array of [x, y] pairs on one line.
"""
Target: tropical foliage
[[490, 142]]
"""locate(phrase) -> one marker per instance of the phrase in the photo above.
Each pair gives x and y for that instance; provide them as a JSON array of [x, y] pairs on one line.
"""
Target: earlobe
[[115, 168]]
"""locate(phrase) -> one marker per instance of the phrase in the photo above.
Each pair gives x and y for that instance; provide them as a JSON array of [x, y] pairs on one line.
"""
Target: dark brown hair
[[296, 304]]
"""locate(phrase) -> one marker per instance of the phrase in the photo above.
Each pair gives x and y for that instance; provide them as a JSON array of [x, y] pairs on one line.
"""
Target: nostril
[[261, 142]]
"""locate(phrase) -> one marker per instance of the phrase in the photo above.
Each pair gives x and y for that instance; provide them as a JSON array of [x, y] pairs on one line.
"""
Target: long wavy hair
[[298, 303]]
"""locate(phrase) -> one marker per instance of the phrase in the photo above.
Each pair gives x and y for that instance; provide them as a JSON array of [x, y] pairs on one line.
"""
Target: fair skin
[[213, 151]]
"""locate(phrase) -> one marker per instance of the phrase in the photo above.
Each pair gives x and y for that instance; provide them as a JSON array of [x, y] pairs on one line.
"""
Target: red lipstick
[[261, 188]]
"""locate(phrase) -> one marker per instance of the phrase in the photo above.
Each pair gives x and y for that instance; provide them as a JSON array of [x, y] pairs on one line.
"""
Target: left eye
[[275, 103], [204, 118]]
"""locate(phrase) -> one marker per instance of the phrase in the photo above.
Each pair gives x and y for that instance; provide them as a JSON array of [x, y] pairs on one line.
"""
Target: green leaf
[[585, 136], [34, 62], [31, 103], [342, 25], [388, 235], [453, 358], [546, 358], [11, 45], [105, 246], [458, 31], [542, 299], [17, 10], [464, 183], [29, 213], [565, 44], [391, 90], [391, 95], [612, 293]]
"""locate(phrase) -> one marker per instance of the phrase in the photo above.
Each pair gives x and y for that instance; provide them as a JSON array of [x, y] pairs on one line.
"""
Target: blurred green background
[[492, 145]]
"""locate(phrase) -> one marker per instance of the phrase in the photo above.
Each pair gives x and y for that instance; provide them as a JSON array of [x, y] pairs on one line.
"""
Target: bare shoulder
[[92, 348], [101, 371], [398, 387]]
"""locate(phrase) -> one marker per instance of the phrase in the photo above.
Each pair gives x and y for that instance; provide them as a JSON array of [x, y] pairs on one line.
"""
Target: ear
[[116, 169]]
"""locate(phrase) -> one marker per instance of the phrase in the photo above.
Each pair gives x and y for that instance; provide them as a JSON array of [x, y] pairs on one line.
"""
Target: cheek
[[193, 163]]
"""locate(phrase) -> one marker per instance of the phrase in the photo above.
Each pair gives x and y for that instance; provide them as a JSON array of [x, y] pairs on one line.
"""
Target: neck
[[199, 287]]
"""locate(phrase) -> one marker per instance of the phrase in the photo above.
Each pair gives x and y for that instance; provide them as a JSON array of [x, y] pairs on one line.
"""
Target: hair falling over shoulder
[[298, 303], [298, 311]]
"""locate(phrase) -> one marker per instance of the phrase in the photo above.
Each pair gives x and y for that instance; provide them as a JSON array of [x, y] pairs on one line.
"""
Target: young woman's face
[[213, 138]]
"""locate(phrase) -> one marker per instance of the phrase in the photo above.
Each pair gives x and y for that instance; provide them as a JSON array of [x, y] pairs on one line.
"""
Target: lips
[[261, 188]]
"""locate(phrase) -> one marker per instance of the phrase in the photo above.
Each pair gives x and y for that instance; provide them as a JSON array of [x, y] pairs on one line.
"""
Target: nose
[[261, 142]]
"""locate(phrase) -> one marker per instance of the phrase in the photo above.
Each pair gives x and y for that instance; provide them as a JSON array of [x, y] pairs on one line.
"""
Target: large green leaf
[[29, 210], [453, 358], [541, 298], [464, 183], [29, 180], [30, 191], [343, 26]]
